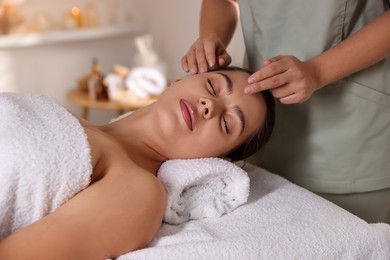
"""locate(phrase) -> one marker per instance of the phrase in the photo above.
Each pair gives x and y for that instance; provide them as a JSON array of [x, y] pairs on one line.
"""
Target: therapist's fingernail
[[211, 63], [251, 80], [248, 90], [267, 62]]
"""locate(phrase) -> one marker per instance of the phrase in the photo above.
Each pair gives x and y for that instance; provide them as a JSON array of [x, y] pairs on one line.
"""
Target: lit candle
[[76, 15]]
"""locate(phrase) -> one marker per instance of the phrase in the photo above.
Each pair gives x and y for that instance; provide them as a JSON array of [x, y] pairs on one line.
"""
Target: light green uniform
[[339, 140]]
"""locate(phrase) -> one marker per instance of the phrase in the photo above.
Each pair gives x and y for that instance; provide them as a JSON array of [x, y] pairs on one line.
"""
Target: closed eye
[[226, 125], [214, 93], [211, 87]]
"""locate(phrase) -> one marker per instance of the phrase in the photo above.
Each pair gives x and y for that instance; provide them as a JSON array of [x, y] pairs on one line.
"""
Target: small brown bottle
[[96, 88]]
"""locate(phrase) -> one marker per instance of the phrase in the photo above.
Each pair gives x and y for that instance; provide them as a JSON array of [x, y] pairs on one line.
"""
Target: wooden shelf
[[37, 39], [82, 99]]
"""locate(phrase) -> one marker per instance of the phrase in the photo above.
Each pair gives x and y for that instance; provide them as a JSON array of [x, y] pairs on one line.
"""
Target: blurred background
[[54, 47]]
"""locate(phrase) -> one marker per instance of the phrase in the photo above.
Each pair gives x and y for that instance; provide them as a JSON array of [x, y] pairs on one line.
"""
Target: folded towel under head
[[202, 188]]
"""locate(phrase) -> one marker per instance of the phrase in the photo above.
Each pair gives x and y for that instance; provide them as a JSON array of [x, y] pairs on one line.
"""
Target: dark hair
[[255, 142]]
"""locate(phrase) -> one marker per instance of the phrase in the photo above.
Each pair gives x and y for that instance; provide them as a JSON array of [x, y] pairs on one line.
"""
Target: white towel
[[44, 159], [202, 188], [280, 221], [146, 81]]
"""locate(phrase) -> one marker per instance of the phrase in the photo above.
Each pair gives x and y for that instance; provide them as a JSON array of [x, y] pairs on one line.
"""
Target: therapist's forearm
[[361, 50], [219, 17]]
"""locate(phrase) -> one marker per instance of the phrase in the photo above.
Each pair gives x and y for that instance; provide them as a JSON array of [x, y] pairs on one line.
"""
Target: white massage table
[[279, 221]]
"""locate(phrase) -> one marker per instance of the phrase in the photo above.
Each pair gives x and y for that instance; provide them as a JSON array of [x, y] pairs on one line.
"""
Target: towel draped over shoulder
[[45, 159]]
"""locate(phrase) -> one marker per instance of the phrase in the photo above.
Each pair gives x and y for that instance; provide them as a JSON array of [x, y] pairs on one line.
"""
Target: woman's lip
[[188, 112]]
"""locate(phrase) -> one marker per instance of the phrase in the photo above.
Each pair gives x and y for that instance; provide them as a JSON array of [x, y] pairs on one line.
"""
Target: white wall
[[53, 69]]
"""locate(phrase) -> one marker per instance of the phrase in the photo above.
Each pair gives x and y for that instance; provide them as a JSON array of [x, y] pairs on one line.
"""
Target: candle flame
[[75, 11]]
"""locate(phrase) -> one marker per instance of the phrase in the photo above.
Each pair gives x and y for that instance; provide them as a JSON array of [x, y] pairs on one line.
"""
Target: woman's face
[[207, 115]]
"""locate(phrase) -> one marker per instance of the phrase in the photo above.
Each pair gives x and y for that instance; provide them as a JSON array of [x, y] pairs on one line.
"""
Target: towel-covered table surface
[[280, 221]]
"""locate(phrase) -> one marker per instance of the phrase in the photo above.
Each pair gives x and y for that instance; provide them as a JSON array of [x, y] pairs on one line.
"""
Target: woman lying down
[[114, 202]]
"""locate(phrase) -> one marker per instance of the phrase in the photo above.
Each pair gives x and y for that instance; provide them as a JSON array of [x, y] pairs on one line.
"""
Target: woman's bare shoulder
[[117, 214]]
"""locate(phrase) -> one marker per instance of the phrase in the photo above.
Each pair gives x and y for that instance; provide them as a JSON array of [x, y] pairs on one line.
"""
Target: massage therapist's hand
[[206, 53], [289, 79]]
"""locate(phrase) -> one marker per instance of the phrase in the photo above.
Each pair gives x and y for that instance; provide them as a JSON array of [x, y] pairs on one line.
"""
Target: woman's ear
[[173, 82]]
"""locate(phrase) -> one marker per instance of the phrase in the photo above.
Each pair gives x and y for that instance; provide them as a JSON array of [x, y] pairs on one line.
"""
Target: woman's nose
[[207, 107]]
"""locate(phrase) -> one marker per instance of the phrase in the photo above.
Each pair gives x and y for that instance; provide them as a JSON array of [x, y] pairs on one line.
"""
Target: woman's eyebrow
[[237, 110], [229, 83]]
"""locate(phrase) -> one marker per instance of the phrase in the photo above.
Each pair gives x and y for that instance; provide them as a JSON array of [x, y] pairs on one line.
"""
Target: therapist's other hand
[[289, 79], [205, 54]]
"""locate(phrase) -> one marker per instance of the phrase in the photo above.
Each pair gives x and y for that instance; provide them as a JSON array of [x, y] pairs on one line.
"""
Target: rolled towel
[[202, 188], [146, 81]]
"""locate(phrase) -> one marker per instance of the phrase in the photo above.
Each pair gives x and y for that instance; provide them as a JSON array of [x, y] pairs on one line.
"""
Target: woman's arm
[[294, 81], [115, 215]]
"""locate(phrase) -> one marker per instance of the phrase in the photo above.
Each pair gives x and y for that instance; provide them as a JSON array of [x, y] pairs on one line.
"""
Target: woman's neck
[[134, 133]]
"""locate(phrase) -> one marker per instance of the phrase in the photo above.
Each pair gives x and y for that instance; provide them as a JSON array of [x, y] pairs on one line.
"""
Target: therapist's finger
[[210, 54], [271, 70], [201, 60], [291, 99], [283, 91], [184, 63], [268, 83], [273, 59], [192, 63], [224, 59]]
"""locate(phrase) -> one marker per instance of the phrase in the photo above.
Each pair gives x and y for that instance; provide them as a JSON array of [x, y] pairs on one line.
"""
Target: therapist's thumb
[[224, 60]]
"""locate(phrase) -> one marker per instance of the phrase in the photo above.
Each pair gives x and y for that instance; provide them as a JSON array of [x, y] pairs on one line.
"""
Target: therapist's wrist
[[320, 73]]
